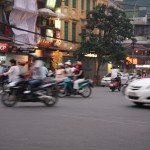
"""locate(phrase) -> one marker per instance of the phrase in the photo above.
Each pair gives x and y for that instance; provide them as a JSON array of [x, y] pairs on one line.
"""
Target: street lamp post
[[133, 41]]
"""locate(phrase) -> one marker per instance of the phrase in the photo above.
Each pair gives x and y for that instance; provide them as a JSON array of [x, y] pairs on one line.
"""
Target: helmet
[[61, 64], [79, 63], [68, 63]]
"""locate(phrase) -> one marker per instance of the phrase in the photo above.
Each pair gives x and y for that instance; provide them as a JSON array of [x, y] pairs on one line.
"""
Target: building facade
[[139, 51]]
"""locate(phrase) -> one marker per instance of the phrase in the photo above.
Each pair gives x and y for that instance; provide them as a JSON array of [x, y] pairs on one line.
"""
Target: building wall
[[78, 16]]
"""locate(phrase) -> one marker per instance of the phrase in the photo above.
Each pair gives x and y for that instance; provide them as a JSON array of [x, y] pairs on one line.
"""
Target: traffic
[[40, 85]]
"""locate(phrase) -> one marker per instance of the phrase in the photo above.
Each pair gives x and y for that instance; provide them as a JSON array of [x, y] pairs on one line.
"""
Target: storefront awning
[[46, 12]]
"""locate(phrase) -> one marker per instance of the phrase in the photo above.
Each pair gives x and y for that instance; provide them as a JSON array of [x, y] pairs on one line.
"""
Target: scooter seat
[[84, 81]]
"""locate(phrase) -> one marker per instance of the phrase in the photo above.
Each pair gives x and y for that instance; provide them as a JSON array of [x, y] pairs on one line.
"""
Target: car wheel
[[139, 104]]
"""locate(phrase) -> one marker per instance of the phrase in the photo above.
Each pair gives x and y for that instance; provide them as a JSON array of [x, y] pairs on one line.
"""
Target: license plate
[[132, 94], [111, 85]]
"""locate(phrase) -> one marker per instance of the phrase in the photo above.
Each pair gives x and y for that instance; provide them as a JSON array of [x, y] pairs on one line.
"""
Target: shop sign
[[24, 51], [4, 47], [44, 42]]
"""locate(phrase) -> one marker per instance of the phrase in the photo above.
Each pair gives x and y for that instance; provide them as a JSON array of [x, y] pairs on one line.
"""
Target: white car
[[138, 91], [105, 81]]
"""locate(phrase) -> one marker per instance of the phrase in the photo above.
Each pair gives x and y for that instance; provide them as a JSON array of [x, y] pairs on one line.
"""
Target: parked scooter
[[46, 93], [115, 84], [66, 88]]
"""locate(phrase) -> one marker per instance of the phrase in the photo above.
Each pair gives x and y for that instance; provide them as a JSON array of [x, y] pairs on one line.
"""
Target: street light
[[133, 41]]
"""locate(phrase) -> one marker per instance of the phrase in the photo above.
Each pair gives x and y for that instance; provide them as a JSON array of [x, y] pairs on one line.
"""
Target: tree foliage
[[106, 29]]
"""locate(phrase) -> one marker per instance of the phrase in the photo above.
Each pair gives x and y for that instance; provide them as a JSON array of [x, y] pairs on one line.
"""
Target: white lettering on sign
[[2, 48]]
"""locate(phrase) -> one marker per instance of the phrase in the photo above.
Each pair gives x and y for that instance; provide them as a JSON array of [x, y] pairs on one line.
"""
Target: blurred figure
[[44, 72], [35, 72], [13, 72], [60, 73], [79, 74], [138, 73], [73, 67], [2, 67], [114, 72], [68, 68], [144, 75]]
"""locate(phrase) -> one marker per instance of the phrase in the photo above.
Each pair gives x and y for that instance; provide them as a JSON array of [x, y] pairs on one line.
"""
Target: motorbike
[[115, 84], [3, 83], [66, 88], [47, 93]]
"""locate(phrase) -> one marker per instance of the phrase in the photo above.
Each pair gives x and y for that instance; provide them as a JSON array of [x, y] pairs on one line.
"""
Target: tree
[[106, 29]]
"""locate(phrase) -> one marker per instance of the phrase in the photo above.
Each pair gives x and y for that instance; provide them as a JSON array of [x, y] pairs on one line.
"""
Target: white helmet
[[61, 64], [68, 63]]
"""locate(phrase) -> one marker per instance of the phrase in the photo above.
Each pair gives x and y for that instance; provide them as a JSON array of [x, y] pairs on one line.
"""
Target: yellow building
[[74, 22]]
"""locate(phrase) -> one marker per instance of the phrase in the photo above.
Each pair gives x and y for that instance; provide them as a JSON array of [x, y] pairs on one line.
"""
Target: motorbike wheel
[[8, 99], [1, 89], [62, 91], [53, 92], [113, 89], [86, 91]]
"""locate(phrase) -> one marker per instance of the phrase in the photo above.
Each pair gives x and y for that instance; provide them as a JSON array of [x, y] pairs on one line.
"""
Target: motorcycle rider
[[36, 73], [13, 73], [60, 73], [115, 74], [68, 68], [79, 75]]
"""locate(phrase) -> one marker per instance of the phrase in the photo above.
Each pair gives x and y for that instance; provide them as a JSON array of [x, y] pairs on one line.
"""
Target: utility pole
[[133, 40]]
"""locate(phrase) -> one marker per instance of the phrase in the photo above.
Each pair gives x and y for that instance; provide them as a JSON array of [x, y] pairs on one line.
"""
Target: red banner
[[4, 47]]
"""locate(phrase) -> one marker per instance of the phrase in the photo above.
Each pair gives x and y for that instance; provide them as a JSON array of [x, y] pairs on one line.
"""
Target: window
[[66, 2], [73, 3], [82, 4], [73, 31], [87, 5], [83, 34], [93, 4], [66, 31]]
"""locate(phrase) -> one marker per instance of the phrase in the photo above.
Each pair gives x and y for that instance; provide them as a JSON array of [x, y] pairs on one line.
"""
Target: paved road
[[106, 121]]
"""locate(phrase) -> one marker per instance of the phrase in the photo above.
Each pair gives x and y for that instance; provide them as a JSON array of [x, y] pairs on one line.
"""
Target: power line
[[40, 46], [12, 26]]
